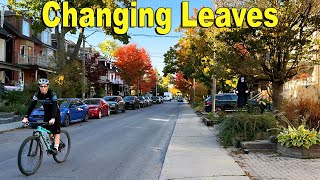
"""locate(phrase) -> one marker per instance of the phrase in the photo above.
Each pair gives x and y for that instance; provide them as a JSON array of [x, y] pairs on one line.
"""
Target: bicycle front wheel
[[30, 155], [64, 147]]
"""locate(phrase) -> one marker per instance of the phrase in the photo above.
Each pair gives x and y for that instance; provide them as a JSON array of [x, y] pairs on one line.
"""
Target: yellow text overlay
[[122, 18]]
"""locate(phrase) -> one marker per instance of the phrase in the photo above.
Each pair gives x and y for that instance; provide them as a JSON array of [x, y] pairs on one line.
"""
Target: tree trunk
[[61, 53], [77, 48], [277, 88]]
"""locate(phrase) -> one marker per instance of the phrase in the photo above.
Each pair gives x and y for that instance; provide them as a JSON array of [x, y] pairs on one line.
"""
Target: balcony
[[116, 81], [103, 79], [42, 61]]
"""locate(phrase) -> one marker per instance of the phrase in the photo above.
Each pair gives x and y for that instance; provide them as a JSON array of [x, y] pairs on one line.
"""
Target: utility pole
[[84, 63], [157, 87], [83, 66], [194, 91], [213, 94]]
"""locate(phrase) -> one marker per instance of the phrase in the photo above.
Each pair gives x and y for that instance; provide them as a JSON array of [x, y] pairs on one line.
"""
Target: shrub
[[17, 101], [199, 106], [305, 106], [298, 137], [245, 126]]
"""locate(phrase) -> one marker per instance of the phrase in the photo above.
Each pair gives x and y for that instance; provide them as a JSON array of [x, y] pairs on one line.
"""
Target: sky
[[156, 45]]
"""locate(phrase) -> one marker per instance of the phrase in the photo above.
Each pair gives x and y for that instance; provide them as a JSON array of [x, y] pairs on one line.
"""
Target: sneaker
[[61, 146]]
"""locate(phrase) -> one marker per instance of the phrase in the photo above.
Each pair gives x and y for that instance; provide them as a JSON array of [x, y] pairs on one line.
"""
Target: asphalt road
[[130, 145]]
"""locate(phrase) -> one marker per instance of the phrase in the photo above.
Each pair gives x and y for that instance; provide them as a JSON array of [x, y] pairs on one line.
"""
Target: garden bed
[[299, 152]]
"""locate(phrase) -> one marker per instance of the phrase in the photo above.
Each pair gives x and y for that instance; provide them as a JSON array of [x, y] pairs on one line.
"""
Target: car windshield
[[63, 103], [110, 98], [128, 98], [92, 101], [208, 99]]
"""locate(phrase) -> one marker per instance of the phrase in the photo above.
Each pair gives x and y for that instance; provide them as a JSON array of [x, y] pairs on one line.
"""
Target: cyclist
[[48, 98]]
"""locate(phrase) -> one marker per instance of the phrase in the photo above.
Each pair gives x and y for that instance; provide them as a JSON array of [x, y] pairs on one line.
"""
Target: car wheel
[[100, 114], [108, 113], [66, 121], [86, 117]]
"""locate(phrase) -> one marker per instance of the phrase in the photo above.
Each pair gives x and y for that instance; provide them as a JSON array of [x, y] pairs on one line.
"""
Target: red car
[[98, 107]]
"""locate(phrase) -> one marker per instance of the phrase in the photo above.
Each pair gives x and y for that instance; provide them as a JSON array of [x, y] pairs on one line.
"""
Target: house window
[[25, 28], [22, 50], [45, 37]]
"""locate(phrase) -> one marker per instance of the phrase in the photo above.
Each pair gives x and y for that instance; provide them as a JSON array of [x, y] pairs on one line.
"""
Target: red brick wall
[[16, 50], [37, 49]]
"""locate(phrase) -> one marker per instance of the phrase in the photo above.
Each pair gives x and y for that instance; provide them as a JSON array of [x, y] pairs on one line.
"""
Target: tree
[[273, 54], [32, 9], [94, 71], [133, 63], [148, 81], [108, 47], [194, 57], [65, 83]]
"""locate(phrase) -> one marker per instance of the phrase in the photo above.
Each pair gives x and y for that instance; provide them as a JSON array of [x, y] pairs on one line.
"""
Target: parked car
[[98, 107], [116, 103], [71, 110], [161, 99], [156, 99], [180, 99], [143, 101], [224, 102], [132, 102], [228, 102], [148, 100]]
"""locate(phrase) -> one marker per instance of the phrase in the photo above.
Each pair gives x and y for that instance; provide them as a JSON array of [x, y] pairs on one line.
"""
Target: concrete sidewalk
[[194, 152], [9, 121], [10, 126]]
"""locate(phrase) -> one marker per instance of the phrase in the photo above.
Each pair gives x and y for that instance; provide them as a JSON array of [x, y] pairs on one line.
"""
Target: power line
[[148, 35]]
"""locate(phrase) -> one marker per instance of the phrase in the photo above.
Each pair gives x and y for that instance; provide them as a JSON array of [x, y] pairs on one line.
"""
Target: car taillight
[[208, 103]]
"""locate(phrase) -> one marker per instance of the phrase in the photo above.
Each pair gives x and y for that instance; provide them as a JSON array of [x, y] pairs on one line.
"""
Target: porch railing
[[43, 61]]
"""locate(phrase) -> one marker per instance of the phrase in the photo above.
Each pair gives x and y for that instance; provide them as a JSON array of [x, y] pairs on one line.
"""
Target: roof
[[13, 65], [8, 27], [4, 32]]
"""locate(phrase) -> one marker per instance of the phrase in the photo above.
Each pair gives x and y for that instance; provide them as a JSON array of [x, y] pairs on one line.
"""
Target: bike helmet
[[43, 81]]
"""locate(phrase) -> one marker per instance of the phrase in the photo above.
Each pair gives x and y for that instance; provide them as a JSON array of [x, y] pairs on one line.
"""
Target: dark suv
[[225, 102], [228, 102]]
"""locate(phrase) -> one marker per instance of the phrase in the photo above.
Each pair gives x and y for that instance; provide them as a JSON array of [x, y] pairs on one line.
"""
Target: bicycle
[[35, 149]]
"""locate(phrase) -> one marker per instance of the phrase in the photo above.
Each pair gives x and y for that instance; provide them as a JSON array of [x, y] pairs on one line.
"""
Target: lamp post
[[84, 63]]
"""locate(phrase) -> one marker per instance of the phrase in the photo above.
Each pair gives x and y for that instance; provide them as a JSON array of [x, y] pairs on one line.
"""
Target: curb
[[207, 121], [10, 126]]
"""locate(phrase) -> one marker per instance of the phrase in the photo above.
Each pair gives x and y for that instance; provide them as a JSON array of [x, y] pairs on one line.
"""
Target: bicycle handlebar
[[44, 123]]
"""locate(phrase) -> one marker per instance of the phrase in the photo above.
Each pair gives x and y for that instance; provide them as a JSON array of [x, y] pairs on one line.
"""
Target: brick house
[[29, 56]]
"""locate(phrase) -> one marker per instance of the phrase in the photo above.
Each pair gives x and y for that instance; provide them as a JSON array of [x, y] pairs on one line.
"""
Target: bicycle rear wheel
[[30, 155], [64, 147]]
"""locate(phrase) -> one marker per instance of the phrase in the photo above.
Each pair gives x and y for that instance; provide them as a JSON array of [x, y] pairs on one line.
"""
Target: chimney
[[2, 17]]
